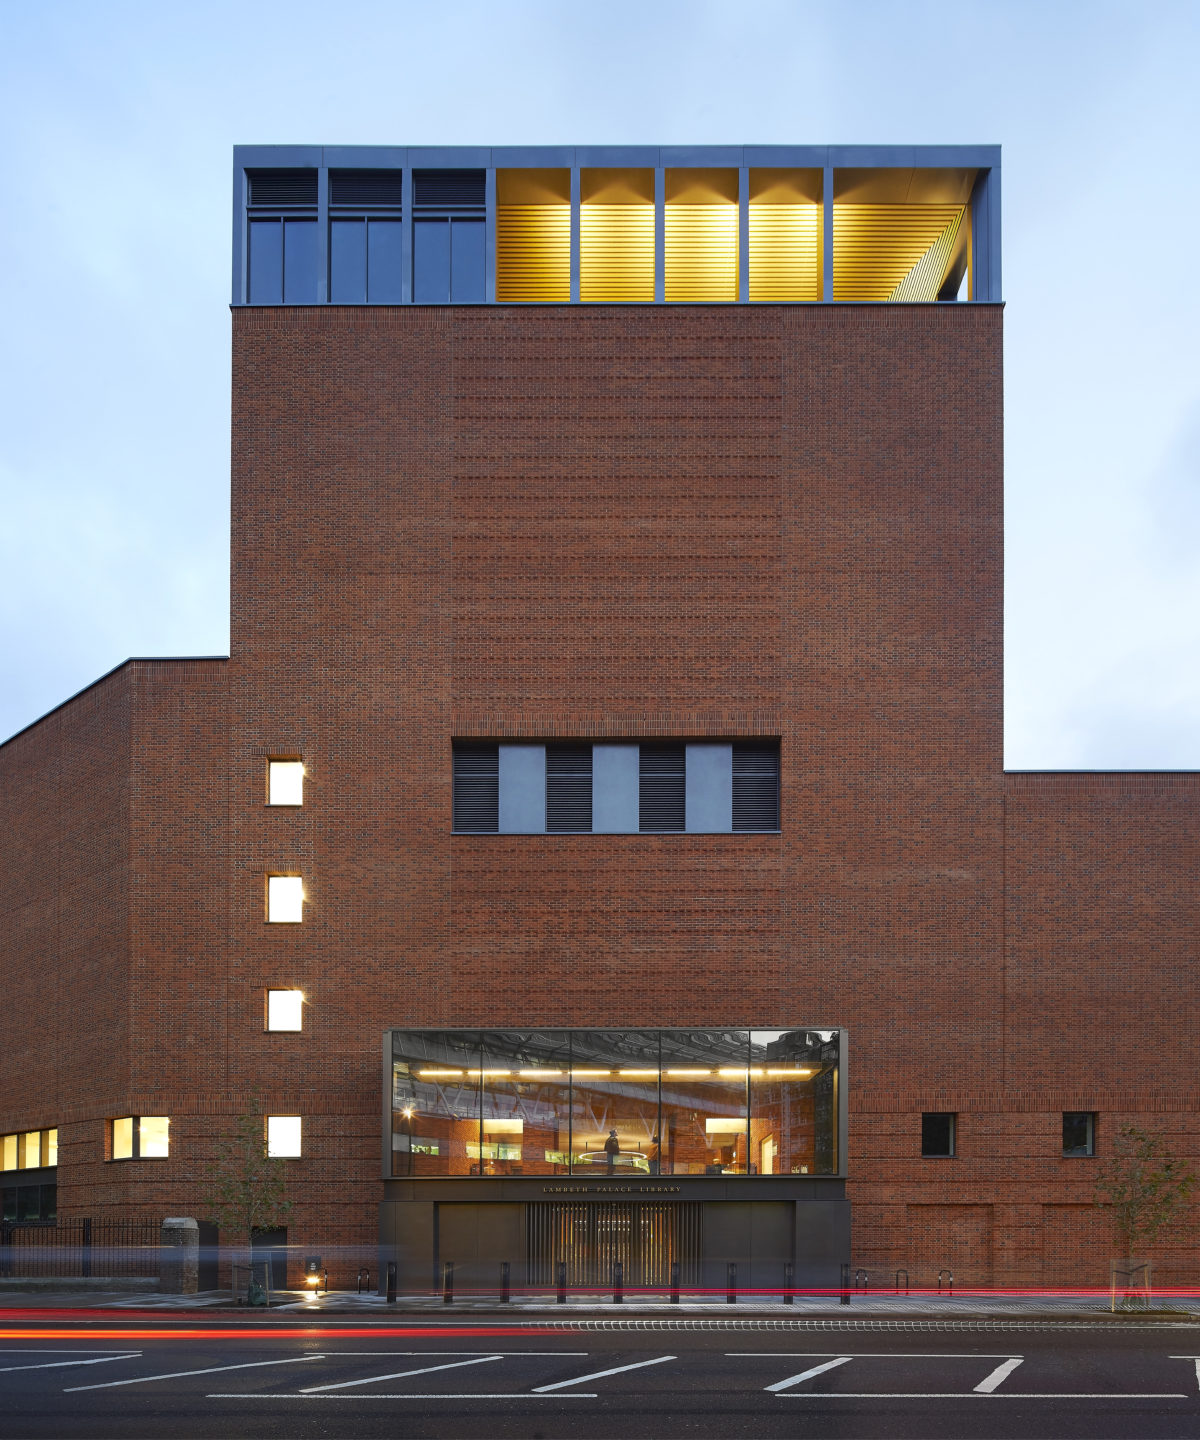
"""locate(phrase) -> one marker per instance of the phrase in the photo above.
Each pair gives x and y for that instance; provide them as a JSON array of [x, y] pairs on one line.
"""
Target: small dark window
[[569, 789], [662, 789], [937, 1133], [756, 785], [1079, 1132], [477, 788]]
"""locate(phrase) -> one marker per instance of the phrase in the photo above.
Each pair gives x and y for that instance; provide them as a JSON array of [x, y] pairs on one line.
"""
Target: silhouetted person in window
[[612, 1148]]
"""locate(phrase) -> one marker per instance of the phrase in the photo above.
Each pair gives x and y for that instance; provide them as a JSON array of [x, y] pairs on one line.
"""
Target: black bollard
[[845, 1282], [391, 1282], [618, 1279], [504, 1287], [789, 1283], [448, 1283], [674, 1282], [562, 1282], [731, 1283]]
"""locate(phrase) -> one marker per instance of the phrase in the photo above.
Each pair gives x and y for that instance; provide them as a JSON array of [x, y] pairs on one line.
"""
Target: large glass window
[[140, 1137], [612, 1103]]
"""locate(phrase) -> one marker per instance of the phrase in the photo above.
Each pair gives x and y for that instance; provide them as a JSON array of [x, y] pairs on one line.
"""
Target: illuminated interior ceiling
[[785, 235], [533, 235], [899, 234], [701, 235], [616, 235]]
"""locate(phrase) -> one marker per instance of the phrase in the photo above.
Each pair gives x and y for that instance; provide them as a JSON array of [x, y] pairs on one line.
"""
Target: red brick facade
[[605, 522]]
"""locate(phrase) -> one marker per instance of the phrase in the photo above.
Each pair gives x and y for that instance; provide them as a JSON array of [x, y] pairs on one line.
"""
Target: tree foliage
[[247, 1191], [1144, 1186]]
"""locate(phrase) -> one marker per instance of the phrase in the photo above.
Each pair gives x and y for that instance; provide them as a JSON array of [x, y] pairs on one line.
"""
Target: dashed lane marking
[[183, 1374], [807, 1374], [998, 1376], [400, 1374], [56, 1364], [600, 1375]]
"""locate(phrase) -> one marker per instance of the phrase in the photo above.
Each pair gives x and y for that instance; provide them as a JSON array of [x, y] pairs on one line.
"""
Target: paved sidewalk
[[878, 1305]]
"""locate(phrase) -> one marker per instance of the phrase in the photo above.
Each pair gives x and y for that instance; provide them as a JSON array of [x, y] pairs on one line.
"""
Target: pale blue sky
[[119, 121]]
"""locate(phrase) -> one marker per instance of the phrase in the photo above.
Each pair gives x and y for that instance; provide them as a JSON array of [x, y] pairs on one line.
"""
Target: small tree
[[1144, 1185], [246, 1190]]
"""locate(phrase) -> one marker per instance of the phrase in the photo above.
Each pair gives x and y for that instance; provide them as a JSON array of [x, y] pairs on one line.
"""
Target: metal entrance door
[[590, 1238]]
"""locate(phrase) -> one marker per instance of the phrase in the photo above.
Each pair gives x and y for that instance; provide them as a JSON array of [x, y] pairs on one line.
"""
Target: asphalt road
[[226, 1378]]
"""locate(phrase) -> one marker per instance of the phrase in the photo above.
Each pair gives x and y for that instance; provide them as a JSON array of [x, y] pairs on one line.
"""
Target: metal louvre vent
[[569, 789], [662, 788], [366, 189], [477, 788], [279, 188], [457, 190], [590, 1237], [756, 785]]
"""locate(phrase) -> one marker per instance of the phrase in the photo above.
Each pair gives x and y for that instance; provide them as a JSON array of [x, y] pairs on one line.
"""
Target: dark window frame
[[932, 1146], [1080, 1150]]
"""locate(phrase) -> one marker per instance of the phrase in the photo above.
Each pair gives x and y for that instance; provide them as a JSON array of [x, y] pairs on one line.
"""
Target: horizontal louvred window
[[280, 188], [477, 788], [755, 785], [366, 189], [569, 789], [449, 190], [662, 787]]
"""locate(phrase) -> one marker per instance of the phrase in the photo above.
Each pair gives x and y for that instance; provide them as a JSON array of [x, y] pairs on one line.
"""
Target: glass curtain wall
[[615, 1103]]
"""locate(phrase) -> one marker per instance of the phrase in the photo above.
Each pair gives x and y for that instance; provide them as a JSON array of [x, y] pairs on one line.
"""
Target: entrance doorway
[[589, 1238]]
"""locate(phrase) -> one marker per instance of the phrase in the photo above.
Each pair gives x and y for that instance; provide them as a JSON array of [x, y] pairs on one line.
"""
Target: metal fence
[[31, 1249]]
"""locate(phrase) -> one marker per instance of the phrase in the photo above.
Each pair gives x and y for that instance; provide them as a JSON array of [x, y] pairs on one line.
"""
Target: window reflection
[[615, 1103]]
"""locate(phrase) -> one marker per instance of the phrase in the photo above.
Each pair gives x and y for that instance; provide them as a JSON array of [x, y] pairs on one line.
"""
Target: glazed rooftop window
[[633, 225]]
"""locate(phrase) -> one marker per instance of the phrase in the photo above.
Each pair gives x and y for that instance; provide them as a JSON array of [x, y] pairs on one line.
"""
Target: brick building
[[612, 721]]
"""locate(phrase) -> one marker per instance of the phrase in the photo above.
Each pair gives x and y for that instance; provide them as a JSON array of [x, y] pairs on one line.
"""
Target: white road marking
[[601, 1374], [975, 1394], [999, 1374], [874, 1355], [181, 1374], [1195, 1358], [55, 1364], [399, 1375], [807, 1374], [336, 1354], [457, 1395]]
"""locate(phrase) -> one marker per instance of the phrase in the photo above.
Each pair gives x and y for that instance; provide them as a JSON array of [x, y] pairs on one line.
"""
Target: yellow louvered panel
[[533, 252], [701, 252], [616, 252], [785, 252], [924, 280], [876, 246]]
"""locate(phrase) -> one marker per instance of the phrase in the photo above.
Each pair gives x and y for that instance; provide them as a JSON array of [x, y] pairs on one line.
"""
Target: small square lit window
[[285, 899], [285, 1009], [31, 1150], [283, 1137], [51, 1147], [285, 782], [140, 1137], [152, 1137]]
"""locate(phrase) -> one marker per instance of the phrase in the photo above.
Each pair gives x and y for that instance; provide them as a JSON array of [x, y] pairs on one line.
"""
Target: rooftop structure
[[758, 224]]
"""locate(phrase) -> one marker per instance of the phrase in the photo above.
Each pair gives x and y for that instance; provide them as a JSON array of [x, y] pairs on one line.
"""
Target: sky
[[119, 120]]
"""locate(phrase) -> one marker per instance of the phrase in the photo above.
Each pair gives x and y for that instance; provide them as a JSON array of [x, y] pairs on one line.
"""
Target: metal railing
[[83, 1248]]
